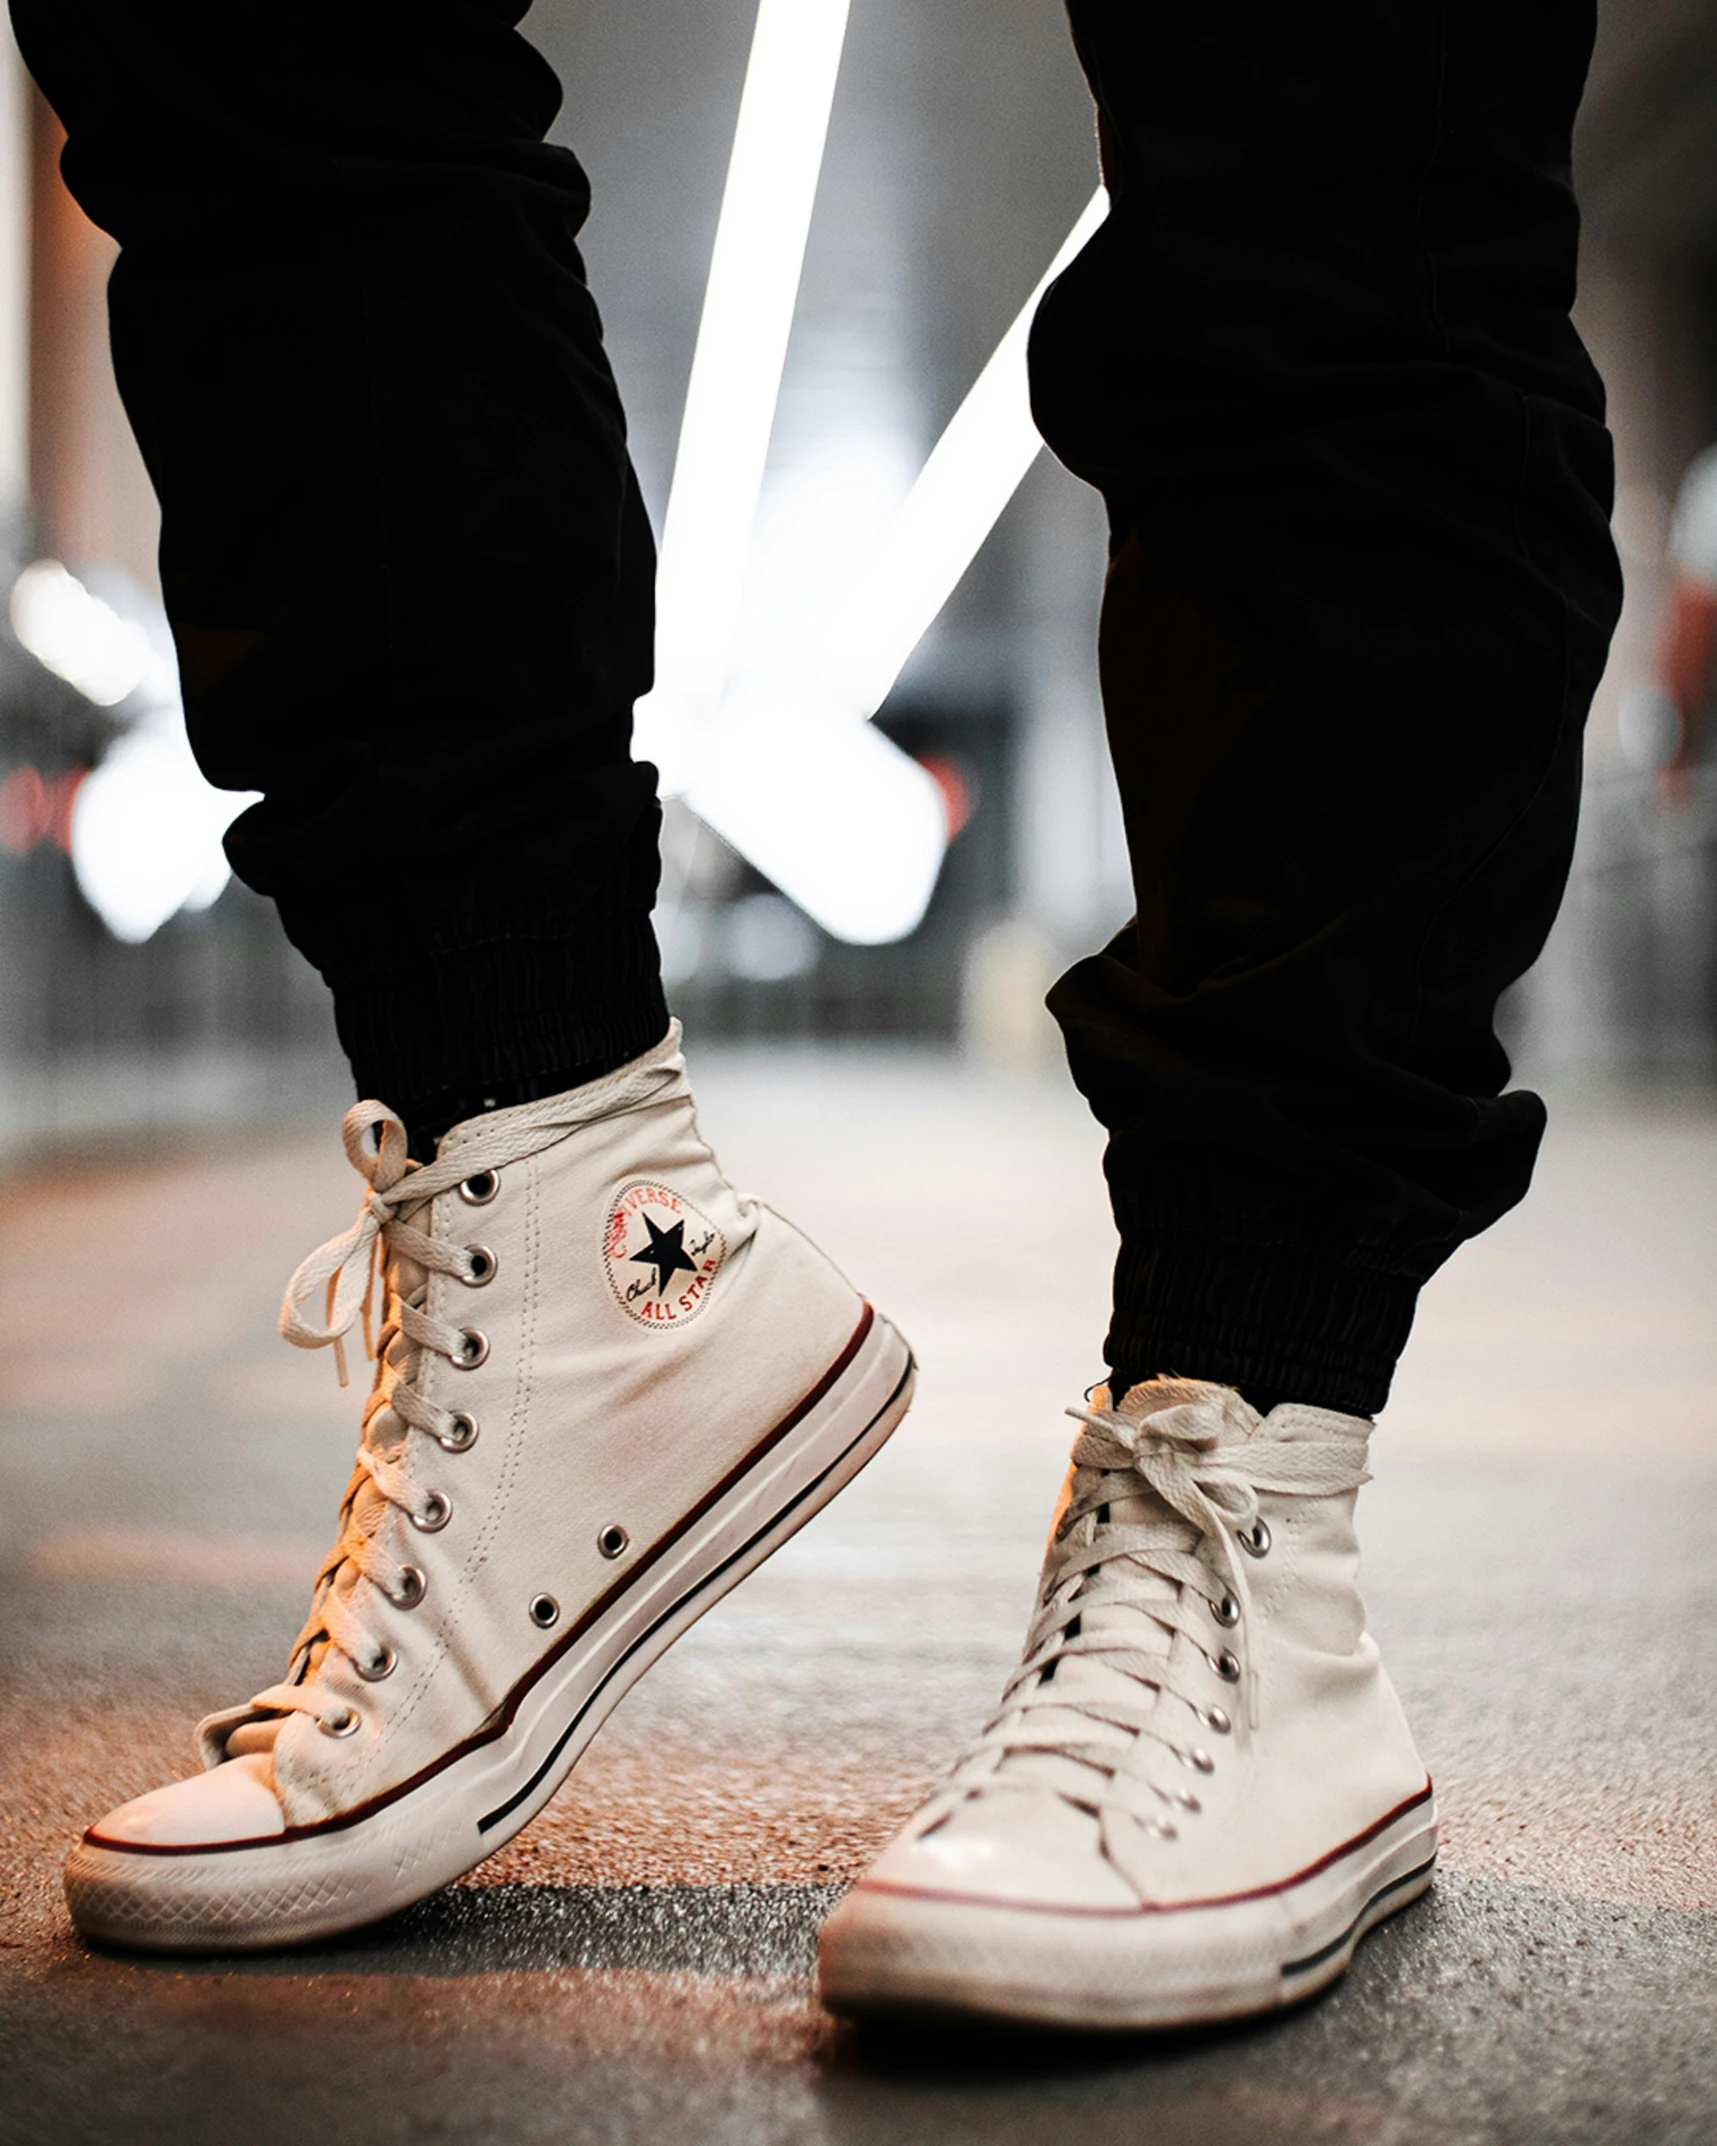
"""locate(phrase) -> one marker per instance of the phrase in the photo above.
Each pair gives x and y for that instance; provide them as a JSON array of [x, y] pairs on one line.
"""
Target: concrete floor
[[636, 1966]]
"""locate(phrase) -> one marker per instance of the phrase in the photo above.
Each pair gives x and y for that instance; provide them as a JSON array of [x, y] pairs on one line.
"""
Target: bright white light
[[836, 484], [81, 639], [849, 827], [768, 939], [146, 830], [145, 827], [842, 821], [839, 818], [973, 471], [736, 367]]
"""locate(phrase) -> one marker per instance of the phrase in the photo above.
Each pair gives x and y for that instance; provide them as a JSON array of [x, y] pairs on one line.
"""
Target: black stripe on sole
[[1326, 1952], [536, 1780]]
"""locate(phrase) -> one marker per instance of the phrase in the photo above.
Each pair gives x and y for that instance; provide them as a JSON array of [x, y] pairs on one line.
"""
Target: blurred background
[[140, 988]]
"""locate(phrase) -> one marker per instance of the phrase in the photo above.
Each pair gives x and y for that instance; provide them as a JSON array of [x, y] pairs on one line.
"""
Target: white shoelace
[[1114, 1749], [386, 1242]]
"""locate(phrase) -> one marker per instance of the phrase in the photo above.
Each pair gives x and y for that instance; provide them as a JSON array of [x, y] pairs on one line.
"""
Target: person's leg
[[405, 560], [1319, 360], [409, 576], [1361, 589]]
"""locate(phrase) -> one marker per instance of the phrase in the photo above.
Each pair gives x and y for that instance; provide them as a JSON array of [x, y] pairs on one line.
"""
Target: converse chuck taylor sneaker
[[607, 1386], [1199, 1792]]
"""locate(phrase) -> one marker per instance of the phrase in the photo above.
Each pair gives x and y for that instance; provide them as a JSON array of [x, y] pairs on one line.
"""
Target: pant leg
[[1319, 360], [405, 559]]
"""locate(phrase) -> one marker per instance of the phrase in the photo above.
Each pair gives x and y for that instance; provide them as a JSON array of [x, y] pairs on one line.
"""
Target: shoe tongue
[[1151, 1396], [1082, 1676], [1082, 1680], [406, 1281], [403, 1280], [1289, 1422], [253, 1736], [1298, 1423], [403, 1277]]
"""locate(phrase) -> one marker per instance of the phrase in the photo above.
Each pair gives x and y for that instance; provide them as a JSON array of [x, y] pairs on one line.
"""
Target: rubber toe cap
[[234, 1801], [1022, 1849]]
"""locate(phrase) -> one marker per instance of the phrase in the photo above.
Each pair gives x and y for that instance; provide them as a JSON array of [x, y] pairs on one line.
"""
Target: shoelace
[[343, 1274], [1196, 1459]]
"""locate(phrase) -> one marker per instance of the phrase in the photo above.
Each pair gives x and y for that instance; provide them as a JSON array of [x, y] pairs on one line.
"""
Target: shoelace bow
[[343, 1275], [1208, 1478]]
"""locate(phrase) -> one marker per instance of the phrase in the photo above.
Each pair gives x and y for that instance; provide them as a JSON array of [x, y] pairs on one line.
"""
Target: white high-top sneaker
[[1200, 1791], [607, 1387]]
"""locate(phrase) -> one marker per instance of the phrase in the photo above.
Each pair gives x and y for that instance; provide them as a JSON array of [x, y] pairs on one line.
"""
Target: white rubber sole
[[319, 1881], [894, 1953]]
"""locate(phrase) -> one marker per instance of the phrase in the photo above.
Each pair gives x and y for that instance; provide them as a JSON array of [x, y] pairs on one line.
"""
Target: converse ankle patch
[[662, 1255]]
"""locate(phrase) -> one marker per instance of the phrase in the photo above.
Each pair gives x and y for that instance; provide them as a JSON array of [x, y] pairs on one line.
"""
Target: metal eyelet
[[545, 1610], [1255, 1540], [480, 1188], [460, 1435], [1186, 1799], [1226, 1612], [382, 1666], [473, 1349], [1214, 1718], [1161, 1828], [483, 1266], [613, 1540], [1227, 1666], [412, 1588], [1199, 1761], [435, 1516], [345, 1723]]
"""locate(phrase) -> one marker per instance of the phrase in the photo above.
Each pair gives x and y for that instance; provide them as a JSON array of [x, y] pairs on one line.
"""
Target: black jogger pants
[[1319, 361]]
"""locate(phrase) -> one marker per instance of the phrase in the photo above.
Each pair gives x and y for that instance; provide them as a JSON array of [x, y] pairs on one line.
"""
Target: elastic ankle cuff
[[475, 1019], [1274, 1319]]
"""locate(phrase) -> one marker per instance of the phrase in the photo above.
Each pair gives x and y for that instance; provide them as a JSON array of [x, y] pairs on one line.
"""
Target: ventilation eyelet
[[480, 1188], [613, 1540], [545, 1610]]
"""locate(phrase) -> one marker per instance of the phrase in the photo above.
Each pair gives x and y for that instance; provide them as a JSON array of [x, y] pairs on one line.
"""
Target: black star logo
[[666, 1252]]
